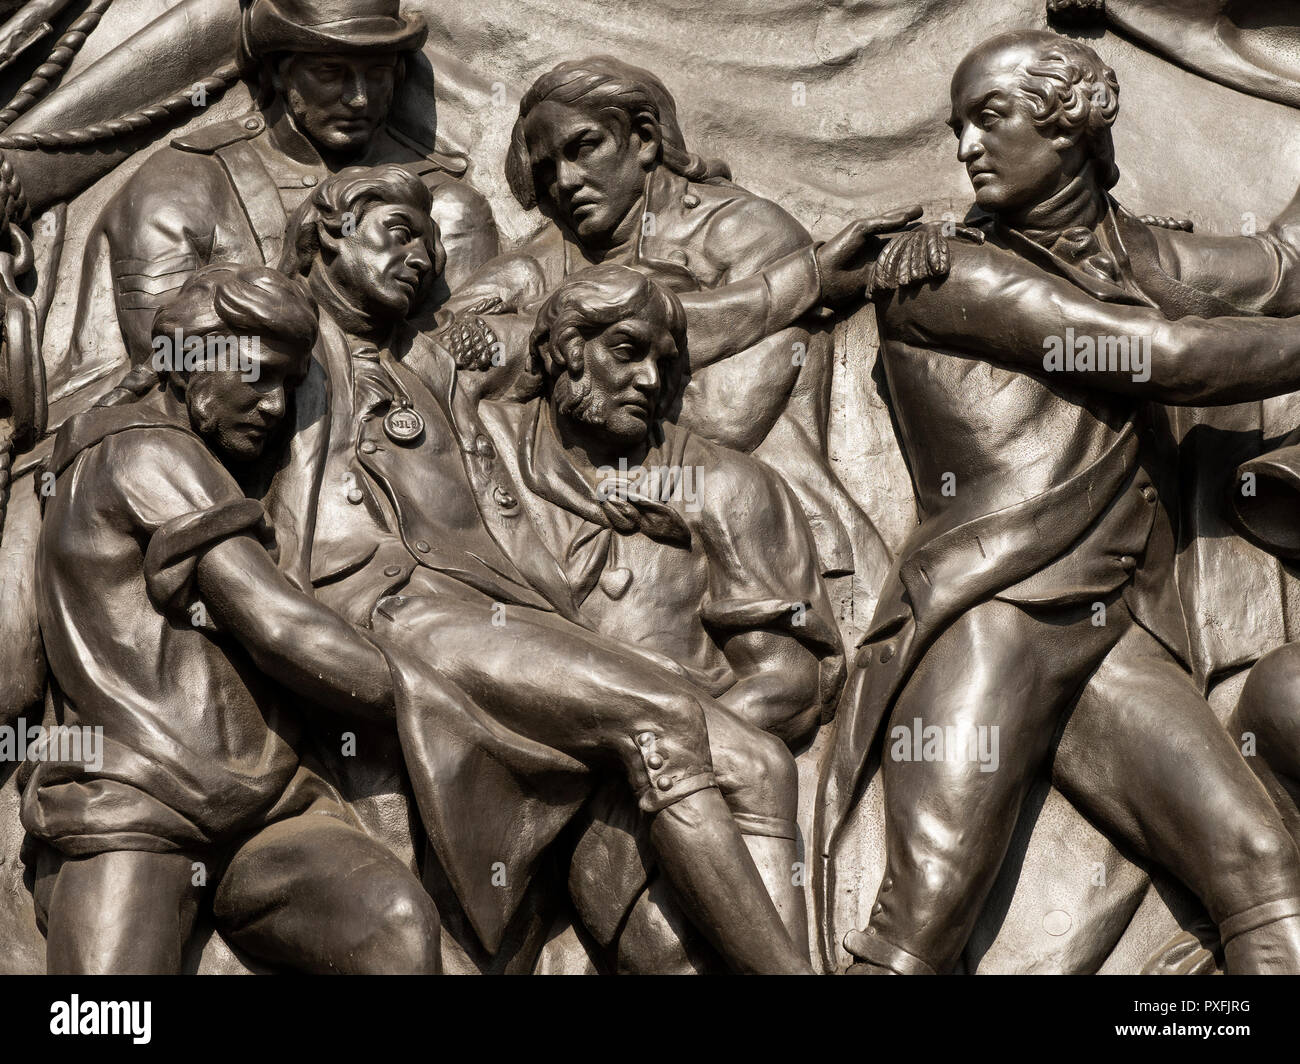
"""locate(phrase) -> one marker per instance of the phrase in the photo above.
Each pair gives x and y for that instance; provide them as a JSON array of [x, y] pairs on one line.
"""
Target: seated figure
[[174, 636], [410, 525], [682, 549], [598, 150]]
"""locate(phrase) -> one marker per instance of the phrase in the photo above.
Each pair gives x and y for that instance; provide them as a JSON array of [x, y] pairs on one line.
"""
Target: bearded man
[[410, 527], [683, 550], [598, 150]]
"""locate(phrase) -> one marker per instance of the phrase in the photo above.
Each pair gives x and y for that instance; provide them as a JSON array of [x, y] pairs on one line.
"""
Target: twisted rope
[[13, 203], [61, 55], [175, 104], [6, 463]]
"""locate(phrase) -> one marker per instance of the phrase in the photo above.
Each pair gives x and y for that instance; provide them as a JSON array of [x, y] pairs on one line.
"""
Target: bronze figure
[[1046, 550], [452, 521]]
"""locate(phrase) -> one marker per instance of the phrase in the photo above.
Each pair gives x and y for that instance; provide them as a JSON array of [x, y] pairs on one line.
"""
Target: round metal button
[[1149, 493], [422, 547], [690, 200], [504, 499], [308, 180], [368, 447], [1128, 562], [655, 761], [645, 738], [665, 784], [252, 123], [483, 447], [392, 570], [354, 495]]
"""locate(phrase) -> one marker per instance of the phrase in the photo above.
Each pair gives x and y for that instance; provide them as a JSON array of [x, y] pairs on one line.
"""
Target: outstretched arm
[[774, 277], [762, 296], [996, 306]]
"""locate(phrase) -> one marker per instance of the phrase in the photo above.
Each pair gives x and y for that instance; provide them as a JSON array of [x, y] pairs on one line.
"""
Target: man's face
[[623, 379], [388, 262], [236, 410], [339, 101], [1012, 164], [586, 170]]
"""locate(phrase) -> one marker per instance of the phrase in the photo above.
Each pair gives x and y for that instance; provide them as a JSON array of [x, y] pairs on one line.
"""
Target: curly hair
[[588, 302], [613, 90], [243, 300], [1069, 87], [352, 192]]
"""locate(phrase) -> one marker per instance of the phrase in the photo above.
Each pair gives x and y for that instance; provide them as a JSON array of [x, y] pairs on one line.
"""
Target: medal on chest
[[403, 425]]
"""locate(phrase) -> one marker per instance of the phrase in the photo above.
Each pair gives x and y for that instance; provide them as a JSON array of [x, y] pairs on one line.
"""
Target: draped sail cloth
[[1249, 45]]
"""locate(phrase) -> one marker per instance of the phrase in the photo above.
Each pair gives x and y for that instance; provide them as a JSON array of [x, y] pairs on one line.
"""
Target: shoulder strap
[[257, 195], [207, 139], [451, 162]]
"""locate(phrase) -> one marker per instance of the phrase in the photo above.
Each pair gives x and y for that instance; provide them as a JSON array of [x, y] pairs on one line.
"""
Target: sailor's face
[[387, 263], [1012, 163], [623, 377], [237, 408], [586, 168], [339, 101]]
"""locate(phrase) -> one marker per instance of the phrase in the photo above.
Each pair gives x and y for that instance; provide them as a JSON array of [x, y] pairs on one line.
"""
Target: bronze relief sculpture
[[455, 523]]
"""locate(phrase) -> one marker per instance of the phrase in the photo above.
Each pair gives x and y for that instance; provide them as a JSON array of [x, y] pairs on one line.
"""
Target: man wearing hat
[[324, 74]]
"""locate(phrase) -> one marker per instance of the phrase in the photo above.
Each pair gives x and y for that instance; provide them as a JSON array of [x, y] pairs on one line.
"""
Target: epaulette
[[207, 139], [1183, 225]]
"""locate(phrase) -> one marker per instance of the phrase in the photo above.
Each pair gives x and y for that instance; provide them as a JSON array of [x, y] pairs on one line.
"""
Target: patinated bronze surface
[[595, 489]]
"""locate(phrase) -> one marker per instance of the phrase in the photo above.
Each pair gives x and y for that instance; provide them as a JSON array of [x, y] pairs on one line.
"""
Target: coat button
[[665, 784], [886, 652], [483, 447], [1149, 493], [1127, 561], [392, 570], [308, 180], [252, 123], [690, 201], [422, 547], [368, 447], [655, 761], [504, 499], [355, 495], [646, 738]]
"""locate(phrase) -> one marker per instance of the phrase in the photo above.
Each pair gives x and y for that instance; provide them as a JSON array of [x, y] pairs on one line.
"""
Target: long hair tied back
[[602, 83]]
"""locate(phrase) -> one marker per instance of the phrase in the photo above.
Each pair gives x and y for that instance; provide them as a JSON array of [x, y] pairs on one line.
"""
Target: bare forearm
[[290, 636], [316, 653]]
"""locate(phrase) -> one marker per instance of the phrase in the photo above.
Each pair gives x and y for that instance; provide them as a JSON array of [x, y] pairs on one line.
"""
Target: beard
[[574, 399]]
